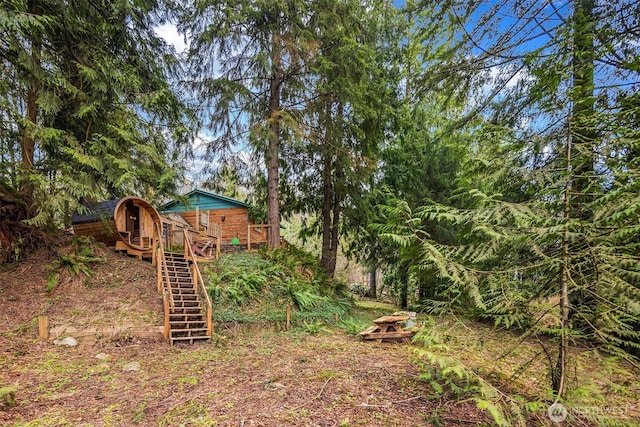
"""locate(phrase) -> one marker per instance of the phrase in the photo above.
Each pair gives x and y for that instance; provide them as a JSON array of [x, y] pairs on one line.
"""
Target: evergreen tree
[[87, 110], [421, 156], [543, 238], [91, 86], [245, 60], [344, 118]]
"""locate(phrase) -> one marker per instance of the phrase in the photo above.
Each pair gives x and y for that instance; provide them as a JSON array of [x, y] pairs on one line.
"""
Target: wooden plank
[[390, 319], [43, 327], [370, 330], [387, 335], [102, 231], [288, 316], [390, 327], [122, 246]]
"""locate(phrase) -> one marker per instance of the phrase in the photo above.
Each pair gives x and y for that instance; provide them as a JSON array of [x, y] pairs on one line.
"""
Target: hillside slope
[[115, 294], [257, 378]]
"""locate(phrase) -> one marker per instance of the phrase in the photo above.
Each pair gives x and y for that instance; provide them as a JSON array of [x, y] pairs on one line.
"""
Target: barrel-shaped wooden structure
[[124, 223]]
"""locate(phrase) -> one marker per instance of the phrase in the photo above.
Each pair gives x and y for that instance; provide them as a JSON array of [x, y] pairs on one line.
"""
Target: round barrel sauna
[[123, 223]]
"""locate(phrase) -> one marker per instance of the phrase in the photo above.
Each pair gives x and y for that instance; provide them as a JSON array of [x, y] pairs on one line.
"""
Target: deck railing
[[163, 279], [213, 234], [257, 233], [199, 283]]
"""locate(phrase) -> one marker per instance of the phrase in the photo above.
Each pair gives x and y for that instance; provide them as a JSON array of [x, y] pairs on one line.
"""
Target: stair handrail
[[163, 263], [199, 281]]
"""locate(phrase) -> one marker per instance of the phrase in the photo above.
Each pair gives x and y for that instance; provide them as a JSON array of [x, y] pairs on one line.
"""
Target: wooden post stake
[[288, 316], [167, 326], [43, 327], [335, 317]]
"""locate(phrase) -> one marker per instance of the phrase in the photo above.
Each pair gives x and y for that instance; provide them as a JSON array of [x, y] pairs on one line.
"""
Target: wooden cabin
[[210, 214], [126, 224]]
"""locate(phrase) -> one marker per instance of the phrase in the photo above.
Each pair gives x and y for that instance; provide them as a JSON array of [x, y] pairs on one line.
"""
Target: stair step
[[189, 330], [185, 297], [187, 303], [188, 291], [178, 272], [191, 310], [189, 339], [176, 263], [191, 304], [198, 312], [188, 322], [181, 282], [180, 311], [183, 292], [186, 317], [185, 286]]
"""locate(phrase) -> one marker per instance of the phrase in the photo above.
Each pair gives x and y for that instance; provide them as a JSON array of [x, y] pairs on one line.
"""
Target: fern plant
[[76, 260], [448, 378]]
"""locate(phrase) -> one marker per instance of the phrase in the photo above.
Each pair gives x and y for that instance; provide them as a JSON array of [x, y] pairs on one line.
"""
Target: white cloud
[[170, 34], [501, 73]]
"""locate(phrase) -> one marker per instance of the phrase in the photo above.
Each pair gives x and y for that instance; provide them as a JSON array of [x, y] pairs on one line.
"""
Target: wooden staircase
[[187, 318]]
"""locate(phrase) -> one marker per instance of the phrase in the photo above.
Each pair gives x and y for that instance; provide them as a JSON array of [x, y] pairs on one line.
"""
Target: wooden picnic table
[[387, 328]]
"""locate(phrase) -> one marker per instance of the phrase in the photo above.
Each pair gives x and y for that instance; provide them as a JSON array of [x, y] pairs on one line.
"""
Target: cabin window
[[204, 219]]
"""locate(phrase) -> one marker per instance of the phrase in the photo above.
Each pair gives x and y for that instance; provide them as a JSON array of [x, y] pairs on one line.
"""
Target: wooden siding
[[103, 231], [234, 224], [132, 224]]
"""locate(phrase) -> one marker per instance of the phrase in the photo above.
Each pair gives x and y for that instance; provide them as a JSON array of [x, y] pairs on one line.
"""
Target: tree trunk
[[338, 191], [335, 228], [558, 374], [423, 290], [404, 286], [583, 139], [327, 202], [371, 293], [28, 140], [327, 188], [273, 168]]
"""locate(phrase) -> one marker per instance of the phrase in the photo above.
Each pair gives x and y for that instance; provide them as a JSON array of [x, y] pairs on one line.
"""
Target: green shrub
[[262, 285], [354, 325], [76, 259]]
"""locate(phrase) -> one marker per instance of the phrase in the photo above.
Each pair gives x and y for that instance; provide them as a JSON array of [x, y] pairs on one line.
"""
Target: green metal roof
[[204, 201]]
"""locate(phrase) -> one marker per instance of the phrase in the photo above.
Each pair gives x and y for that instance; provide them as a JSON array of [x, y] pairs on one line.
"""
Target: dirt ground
[[268, 379], [258, 378]]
